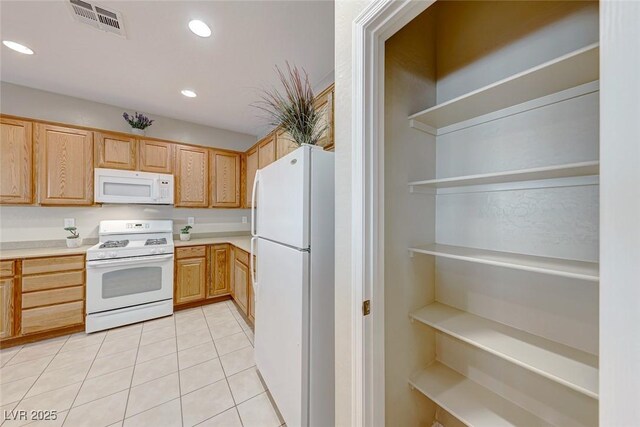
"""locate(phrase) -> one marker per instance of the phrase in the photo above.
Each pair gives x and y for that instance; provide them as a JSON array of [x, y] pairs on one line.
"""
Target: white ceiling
[[160, 56]]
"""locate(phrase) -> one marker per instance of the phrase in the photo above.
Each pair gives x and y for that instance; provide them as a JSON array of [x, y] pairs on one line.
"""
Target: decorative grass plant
[[293, 109]]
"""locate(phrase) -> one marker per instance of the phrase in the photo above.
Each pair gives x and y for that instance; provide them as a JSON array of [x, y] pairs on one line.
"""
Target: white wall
[[619, 215], [346, 11], [38, 104], [28, 223]]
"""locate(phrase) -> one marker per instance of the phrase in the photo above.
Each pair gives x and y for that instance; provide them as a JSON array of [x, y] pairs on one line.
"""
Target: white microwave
[[120, 186]]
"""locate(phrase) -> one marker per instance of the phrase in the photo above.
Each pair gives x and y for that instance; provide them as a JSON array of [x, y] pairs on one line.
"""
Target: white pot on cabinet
[[185, 236], [74, 242]]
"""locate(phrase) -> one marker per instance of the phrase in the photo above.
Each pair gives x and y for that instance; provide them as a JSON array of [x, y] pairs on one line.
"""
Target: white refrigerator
[[292, 224]]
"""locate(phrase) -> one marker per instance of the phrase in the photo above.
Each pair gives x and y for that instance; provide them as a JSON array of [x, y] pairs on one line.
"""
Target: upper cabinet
[[65, 165], [225, 179], [267, 150], [324, 104], [16, 161], [192, 177], [114, 151], [156, 156], [251, 168], [284, 144]]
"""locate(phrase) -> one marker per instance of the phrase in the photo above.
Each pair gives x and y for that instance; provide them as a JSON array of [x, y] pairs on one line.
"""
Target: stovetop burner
[[114, 244], [150, 242]]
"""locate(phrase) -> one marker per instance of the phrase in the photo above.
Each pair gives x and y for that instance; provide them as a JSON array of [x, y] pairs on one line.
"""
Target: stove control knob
[[101, 255], [113, 254]]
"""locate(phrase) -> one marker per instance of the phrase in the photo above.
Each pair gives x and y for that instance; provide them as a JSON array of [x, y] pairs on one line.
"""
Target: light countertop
[[242, 242]]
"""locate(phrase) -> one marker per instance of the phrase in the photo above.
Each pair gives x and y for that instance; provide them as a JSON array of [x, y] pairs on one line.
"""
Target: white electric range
[[129, 273]]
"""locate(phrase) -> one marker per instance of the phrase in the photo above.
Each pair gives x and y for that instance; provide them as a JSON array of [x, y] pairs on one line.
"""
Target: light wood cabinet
[[192, 177], [52, 293], [324, 105], [156, 156], [7, 307], [225, 179], [241, 280], [16, 161], [65, 165], [114, 151], [219, 283], [232, 261], [284, 144], [191, 279], [251, 168], [267, 151]]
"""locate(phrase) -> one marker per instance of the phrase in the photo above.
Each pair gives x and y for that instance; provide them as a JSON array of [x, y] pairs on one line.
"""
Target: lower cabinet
[[219, 283], [241, 278], [6, 305], [190, 274]]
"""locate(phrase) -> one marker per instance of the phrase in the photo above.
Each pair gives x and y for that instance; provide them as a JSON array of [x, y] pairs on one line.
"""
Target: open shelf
[[554, 266], [566, 365], [570, 70], [547, 172], [468, 401]]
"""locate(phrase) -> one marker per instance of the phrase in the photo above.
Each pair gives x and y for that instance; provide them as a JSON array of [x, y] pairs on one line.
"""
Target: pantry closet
[[491, 215]]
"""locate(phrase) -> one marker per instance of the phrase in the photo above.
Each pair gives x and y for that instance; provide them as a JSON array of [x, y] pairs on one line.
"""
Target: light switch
[[191, 220], [69, 222]]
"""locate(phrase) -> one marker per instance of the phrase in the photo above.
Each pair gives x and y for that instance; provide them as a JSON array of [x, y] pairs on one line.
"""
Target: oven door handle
[[127, 261]]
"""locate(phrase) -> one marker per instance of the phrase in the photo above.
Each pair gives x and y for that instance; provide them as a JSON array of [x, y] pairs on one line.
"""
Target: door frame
[[377, 22]]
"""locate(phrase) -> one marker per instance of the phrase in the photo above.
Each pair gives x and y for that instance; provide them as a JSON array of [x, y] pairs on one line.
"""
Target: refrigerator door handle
[[253, 203], [251, 266]]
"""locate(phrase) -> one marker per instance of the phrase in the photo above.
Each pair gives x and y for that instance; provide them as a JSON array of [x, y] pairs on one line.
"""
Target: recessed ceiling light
[[17, 47], [188, 93], [199, 28]]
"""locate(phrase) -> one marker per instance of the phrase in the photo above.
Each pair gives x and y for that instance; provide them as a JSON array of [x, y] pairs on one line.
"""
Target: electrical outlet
[[244, 220], [191, 220], [69, 222]]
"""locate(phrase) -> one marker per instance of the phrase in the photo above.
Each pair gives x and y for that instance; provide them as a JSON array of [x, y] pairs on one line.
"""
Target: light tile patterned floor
[[194, 368]]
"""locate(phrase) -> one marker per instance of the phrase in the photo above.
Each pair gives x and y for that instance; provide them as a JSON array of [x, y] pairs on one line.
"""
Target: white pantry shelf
[[468, 401], [566, 365], [570, 70], [553, 266], [547, 172]]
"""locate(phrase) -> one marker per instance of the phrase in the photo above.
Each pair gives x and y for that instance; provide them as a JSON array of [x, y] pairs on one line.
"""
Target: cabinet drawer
[[52, 265], [52, 317], [52, 281], [53, 296], [7, 268], [242, 256], [191, 252]]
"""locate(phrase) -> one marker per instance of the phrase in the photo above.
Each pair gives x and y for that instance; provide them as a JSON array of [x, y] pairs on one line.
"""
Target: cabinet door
[[252, 167], [232, 275], [191, 277], [6, 305], [156, 156], [192, 177], [65, 165], [16, 162], [324, 104], [267, 151], [114, 151], [225, 179], [241, 279], [284, 144], [219, 284]]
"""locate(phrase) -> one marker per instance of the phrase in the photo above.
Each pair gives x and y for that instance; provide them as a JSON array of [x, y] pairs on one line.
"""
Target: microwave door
[[126, 190]]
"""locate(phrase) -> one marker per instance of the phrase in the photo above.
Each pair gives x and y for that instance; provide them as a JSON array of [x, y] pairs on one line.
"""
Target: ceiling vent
[[98, 17]]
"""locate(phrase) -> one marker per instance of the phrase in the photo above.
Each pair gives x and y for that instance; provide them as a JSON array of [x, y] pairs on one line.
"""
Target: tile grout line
[[126, 406], [175, 325], [235, 406], [40, 375], [83, 380]]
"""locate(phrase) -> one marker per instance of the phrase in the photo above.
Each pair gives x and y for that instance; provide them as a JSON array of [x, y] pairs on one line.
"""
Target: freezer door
[[282, 325], [283, 200]]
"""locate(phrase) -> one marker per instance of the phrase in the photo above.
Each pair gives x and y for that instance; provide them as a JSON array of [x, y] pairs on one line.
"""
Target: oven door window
[[135, 280]]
